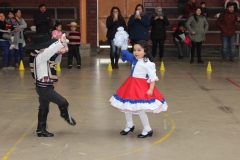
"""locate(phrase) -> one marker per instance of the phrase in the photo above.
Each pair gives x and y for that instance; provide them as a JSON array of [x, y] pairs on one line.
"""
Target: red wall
[[92, 13], [174, 3]]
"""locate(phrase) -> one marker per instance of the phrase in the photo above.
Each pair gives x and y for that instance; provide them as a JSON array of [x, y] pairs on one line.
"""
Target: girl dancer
[[138, 94]]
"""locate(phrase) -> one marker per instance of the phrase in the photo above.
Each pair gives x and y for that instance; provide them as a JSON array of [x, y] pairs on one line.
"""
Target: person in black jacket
[[114, 20], [158, 22], [204, 10], [42, 20]]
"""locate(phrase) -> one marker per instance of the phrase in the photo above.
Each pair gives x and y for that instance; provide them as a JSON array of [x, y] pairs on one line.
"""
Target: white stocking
[[146, 126], [129, 121]]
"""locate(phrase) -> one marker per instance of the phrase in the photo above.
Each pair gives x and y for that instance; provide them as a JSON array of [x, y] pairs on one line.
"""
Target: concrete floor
[[202, 122]]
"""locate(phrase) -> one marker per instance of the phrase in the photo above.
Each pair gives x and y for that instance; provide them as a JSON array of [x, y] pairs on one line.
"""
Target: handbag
[[7, 36]]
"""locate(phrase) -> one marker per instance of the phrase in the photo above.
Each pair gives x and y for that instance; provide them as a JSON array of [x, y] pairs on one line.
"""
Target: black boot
[[42, 124], [116, 65], [69, 64], [113, 65], [199, 57], [64, 113], [78, 64]]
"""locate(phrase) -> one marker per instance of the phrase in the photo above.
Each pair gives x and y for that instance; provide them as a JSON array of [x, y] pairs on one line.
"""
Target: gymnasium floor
[[202, 122]]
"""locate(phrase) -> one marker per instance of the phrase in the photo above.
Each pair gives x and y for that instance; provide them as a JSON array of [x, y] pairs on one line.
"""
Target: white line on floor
[[46, 144], [65, 147], [176, 112]]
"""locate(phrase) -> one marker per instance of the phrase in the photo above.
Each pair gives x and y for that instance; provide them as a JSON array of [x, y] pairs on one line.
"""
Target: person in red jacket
[[227, 22], [190, 8]]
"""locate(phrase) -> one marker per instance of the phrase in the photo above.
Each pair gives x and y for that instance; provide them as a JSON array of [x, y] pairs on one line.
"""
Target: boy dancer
[[45, 75]]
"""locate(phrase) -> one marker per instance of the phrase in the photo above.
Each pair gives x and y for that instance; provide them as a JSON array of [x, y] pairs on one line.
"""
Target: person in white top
[[45, 75], [138, 94]]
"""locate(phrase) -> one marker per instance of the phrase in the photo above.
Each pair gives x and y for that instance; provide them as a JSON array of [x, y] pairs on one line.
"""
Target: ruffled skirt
[[132, 97]]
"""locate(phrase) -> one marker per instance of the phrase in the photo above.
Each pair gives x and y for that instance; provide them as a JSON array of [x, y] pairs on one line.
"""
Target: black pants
[[195, 45], [47, 95], [182, 47], [74, 51], [161, 48]]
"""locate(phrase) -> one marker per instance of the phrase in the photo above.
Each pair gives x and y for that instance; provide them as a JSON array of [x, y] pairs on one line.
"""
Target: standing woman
[[198, 27], [7, 53], [114, 21], [19, 41], [158, 22], [138, 25]]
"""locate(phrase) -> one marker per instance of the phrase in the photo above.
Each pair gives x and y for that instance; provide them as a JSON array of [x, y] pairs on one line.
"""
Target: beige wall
[[104, 8]]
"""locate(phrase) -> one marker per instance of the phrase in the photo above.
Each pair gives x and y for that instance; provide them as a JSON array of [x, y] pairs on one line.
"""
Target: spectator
[[181, 6], [227, 23], [235, 3], [204, 10], [158, 22], [73, 45], [190, 8], [138, 25], [57, 34], [19, 41], [179, 37], [7, 54], [114, 20], [198, 27], [11, 24], [42, 20]]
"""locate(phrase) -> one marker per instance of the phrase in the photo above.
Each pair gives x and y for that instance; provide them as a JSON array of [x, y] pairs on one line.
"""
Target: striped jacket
[[74, 38]]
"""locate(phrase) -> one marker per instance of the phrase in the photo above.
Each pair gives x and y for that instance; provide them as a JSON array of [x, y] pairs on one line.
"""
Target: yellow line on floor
[[140, 149], [6, 156]]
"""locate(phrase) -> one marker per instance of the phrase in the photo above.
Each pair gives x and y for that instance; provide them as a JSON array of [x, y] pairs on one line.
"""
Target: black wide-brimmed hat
[[40, 41]]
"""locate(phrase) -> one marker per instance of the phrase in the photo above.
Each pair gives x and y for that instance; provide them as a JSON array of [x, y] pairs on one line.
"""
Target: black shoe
[[70, 120], [69, 67], [191, 61], [233, 61], [180, 57], [200, 61], [125, 133], [66, 115], [78, 67], [150, 133], [44, 133]]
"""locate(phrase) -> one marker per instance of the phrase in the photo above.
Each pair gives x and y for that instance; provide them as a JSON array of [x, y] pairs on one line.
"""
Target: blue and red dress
[[132, 95]]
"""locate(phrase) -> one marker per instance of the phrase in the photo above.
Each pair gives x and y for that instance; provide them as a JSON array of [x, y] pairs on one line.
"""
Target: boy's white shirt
[[42, 59]]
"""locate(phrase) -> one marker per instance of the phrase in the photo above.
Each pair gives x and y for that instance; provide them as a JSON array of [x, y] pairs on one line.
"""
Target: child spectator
[[179, 37], [74, 44], [11, 24], [56, 34], [204, 10]]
